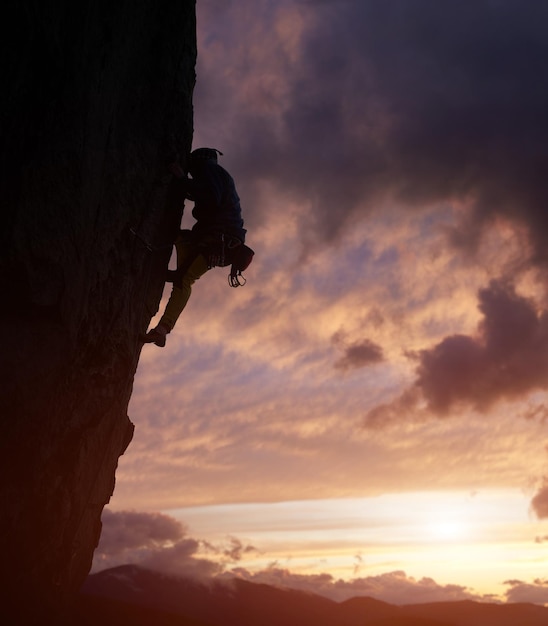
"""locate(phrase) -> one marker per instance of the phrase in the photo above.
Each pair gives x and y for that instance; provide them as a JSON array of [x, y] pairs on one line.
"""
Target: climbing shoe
[[156, 335]]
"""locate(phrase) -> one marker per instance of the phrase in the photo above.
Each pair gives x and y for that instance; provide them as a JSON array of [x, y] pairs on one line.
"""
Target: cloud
[[236, 550], [393, 114], [537, 412], [535, 592], [152, 540], [182, 559], [159, 542], [397, 410], [506, 359], [351, 105], [124, 531], [539, 503], [358, 354], [392, 587]]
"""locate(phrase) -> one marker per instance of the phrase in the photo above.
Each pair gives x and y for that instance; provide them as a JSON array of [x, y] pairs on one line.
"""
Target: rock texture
[[96, 97]]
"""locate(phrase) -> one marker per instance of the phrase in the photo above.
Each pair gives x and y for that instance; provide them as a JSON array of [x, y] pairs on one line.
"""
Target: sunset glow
[[367, 416]]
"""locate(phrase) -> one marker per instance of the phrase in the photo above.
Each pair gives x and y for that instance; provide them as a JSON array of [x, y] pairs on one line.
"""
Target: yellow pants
[[182, 286]]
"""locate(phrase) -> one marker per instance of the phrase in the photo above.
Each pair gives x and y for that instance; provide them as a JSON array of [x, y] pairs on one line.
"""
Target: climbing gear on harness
[[242, 256], [226, 250], [219, 250]]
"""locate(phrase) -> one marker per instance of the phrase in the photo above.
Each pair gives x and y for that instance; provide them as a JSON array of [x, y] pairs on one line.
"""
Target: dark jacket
[[216, 202]]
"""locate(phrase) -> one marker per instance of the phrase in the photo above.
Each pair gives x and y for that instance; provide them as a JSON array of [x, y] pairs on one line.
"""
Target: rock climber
[[218, 231]]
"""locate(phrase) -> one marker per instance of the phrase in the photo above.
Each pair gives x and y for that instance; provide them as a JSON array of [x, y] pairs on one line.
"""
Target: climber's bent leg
[[190, 266], [181, 291]]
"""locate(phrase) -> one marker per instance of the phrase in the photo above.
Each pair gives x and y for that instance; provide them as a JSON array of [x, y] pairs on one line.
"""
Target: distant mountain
[[132, 596], [234, 603], [467, 613]]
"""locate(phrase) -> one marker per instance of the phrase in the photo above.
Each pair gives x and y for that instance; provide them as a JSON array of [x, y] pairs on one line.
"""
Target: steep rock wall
[[96, 99]]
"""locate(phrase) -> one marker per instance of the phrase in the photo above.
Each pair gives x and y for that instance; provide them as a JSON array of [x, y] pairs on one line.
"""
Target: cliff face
[[96, 98]]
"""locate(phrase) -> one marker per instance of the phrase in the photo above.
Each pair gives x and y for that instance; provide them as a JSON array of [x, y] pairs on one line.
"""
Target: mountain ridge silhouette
[[172, 601]]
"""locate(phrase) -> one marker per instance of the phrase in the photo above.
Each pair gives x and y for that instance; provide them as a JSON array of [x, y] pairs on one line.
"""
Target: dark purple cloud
[[160, 542], [128, 530], [421, 101], [359, 354], [506, 359], [182, 559], [153, 540]]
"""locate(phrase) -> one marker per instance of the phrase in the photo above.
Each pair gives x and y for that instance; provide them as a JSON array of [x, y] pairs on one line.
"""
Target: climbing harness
[[219, 250], [232, 251]]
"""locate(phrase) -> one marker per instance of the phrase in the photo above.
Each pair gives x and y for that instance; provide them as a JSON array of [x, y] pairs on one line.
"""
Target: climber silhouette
[[214, 239]]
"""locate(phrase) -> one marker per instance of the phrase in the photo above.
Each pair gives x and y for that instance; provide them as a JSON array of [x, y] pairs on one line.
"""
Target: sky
[[367, 415]]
